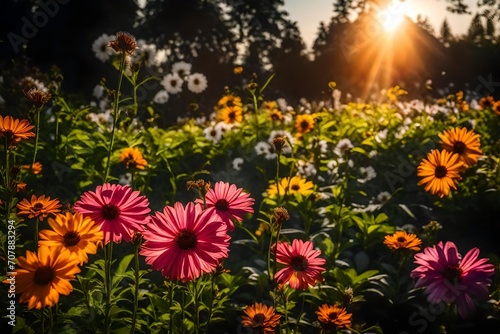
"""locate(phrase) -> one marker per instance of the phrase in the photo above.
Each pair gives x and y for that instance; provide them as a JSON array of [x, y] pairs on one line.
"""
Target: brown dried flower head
[[278, 143], [280, 216], [37, 97], [123, 43]]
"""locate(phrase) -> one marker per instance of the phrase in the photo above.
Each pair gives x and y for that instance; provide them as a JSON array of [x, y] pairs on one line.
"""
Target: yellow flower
[[230, 101], [402, 240], [464, 143], [77, 235], [132, 158], [440, 172], [295, 185], [238, 70], [304, 123], [231, 115]]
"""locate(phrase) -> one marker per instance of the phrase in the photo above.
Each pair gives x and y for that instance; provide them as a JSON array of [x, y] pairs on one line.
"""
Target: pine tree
[[475, 33], [445, 33]]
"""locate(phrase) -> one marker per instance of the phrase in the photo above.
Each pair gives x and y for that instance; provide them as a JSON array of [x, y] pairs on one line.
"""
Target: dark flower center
[[304, 125], [71, 238], [453, 274], [38, 206], [299, 263], [173, 83], [333, 315], [213, 133], [459, 147], [44, 275], [196, 82], [230, 103], [232, 115], [401, 239], [110, 211], [295, 187], [440, 172], [259, 319], [186, 239], [222, 205]]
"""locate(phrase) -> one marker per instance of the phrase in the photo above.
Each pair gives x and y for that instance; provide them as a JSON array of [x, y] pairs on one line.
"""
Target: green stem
[[38, 112], [115, 116], [36, 232], [212, 289], [108, 282], [136, 286], [8, 187], [300, 315], [196, 306], [42, 314], [278, 177], [171, 301]]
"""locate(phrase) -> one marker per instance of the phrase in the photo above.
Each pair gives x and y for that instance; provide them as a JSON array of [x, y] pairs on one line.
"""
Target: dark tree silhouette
[[445, 34]]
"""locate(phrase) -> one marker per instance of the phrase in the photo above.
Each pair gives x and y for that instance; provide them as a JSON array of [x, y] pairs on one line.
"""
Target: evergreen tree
[[445, 33], [423, 22], [490, 28], [475, 33]]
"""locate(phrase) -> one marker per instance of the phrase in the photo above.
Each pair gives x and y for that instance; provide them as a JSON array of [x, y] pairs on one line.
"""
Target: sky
[[310, 13]]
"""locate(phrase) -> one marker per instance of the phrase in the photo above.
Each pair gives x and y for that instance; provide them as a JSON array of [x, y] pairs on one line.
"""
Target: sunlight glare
[[393, 15]]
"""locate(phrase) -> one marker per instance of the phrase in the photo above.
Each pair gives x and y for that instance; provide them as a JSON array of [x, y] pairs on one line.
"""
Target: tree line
[[215, 36]]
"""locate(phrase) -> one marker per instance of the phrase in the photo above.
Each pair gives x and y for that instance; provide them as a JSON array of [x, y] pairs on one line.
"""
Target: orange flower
[[77, 235], [496, 108], [486, 102], [402, 240], [304, 123], [36, 168], [261, 317], [39, 207], [463, 142], [14, 129], [333, 317], [440, 172], [132, 158], [43, 276]]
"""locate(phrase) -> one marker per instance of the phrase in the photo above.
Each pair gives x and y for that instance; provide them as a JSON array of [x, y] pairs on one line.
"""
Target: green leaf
[[122, 267]]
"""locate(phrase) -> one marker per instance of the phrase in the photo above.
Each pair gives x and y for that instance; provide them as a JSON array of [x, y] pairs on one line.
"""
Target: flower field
[[163, 214]]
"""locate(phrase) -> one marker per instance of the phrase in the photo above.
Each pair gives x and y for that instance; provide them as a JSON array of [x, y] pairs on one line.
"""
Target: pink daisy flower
[[184, 243], [449, 278], [304, 267], [118, 210], [227, 202]]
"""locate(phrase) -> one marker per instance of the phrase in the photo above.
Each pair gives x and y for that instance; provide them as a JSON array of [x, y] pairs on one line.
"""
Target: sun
[[393, 15]]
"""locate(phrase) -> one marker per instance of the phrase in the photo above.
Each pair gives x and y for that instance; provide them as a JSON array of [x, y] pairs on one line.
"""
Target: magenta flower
[[228, 202], [118, 210], [446, 277], [303, 266], [184, 243]]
